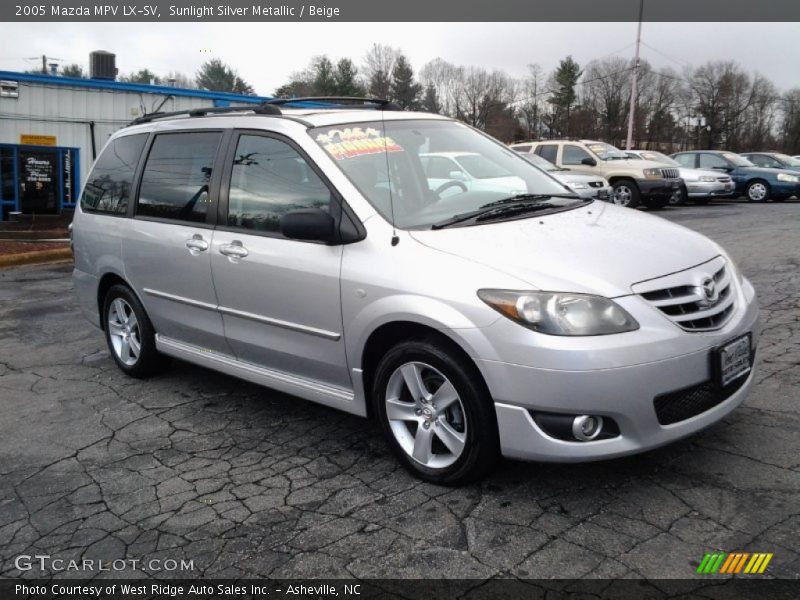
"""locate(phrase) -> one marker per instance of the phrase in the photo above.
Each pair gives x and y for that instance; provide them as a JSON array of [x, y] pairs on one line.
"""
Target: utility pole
[[634, 81], [44, 65]]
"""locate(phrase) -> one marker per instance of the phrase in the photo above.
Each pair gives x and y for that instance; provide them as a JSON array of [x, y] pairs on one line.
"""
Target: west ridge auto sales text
[[175, 591], [256, 10]]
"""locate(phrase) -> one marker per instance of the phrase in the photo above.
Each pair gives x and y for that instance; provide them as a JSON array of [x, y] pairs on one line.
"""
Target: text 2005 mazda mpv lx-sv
[[310, 250]]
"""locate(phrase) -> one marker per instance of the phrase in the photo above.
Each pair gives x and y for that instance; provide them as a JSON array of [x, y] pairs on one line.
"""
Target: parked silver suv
[[305, 249]]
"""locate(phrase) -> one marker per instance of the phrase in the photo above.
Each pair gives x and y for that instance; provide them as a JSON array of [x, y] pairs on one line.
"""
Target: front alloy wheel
[[625, 193], [435, 411], [426, 415], [757, 191]]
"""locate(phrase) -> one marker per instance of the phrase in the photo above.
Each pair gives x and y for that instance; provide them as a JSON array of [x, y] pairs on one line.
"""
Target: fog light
[[586, 427]]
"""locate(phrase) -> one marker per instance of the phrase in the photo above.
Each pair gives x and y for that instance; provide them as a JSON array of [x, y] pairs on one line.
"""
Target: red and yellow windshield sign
[[356, 141]]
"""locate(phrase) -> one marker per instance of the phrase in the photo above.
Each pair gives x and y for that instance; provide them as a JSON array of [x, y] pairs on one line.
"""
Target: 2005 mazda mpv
[[319, 249]]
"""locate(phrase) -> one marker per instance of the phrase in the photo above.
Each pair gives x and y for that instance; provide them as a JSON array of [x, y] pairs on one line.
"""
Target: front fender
[[421, 310]]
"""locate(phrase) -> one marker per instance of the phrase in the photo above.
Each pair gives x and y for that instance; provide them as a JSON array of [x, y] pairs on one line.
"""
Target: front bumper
[[608, 377], [703, 189], [658, 188]]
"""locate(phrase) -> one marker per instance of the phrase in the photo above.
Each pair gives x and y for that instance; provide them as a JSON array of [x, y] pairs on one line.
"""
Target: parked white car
[[699, 185], [303, 249], [586, 186], [468, 171]]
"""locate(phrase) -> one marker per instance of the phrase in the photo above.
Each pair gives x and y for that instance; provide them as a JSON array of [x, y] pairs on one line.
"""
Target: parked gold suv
[[634, 182]]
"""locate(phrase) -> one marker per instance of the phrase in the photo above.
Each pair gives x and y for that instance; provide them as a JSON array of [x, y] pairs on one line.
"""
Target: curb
[[37, 257]]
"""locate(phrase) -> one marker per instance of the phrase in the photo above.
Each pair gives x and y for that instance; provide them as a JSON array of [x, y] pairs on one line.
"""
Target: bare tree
[[377, 68]]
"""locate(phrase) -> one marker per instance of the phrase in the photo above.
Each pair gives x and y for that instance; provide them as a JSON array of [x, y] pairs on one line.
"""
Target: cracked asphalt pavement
[[247, 482]]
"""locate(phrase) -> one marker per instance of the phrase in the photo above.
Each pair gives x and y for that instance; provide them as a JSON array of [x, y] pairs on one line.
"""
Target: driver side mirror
[[309, 224], [589, 162]]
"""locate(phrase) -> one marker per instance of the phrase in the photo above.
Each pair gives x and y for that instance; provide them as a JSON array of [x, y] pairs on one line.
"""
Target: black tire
[[679, 197], [625, 192], [757, 190], [656, 203], [481, 448], [149, 361]]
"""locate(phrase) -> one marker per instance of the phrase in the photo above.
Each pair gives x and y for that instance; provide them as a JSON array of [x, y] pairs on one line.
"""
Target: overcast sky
[[266, 54]]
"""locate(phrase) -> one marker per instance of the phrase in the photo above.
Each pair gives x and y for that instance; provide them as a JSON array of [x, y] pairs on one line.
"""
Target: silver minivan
[[303, 247]]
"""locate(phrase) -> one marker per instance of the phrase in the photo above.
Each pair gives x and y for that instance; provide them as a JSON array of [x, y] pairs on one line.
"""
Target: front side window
[[108, 187], [573, 155], [387, 162], [269, 179], [177, 175]]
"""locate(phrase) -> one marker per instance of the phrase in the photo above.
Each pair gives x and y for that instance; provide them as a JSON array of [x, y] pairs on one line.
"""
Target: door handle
[[234, 249], [196, 244]]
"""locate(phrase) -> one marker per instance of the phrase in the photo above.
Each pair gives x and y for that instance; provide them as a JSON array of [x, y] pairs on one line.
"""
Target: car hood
[[695, 174], [765, 171], [598, 248], [567, 177]]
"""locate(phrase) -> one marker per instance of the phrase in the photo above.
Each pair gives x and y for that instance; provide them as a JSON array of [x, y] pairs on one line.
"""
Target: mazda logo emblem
[[708, 289]]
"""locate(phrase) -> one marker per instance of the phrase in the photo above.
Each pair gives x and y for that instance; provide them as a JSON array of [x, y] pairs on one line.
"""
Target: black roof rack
[[262, 109], [359, 102], [272, 107]]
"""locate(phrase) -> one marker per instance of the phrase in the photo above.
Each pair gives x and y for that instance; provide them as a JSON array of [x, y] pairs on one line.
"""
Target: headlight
[[788, 178], [652, 173], [578, 186], [707, 178], [558, 313]]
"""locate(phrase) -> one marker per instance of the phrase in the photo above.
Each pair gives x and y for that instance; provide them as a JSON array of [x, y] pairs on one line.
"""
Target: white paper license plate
[[733, 360]]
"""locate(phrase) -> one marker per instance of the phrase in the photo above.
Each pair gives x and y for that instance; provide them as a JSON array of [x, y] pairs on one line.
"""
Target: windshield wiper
[[502, 208], [526, 198]]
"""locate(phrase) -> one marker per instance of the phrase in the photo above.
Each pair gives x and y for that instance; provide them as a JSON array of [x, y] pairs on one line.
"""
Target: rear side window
[[685, 160], [177, 175], [269, 179], [108, 188], [548, 152]]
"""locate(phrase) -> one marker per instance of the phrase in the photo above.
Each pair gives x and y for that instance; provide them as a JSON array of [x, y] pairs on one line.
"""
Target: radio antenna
[[395, 239]]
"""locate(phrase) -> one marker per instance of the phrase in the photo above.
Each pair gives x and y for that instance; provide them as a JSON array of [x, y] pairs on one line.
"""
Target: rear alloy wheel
[[435, 413], [757, 191], [129, 334], [625, 193]]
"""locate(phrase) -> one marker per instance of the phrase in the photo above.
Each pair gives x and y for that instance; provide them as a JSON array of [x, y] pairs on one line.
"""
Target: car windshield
[[540, 162], [787, 160], [739, 161], [658, 157], [606, 151], [405, 169]]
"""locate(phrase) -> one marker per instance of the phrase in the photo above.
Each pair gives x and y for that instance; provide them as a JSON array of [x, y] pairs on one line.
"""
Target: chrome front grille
[[703, 301], [724, 179], [596, 184], [669, 173]]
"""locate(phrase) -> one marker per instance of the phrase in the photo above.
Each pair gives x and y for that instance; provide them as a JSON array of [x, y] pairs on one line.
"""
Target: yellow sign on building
[[28, 139]]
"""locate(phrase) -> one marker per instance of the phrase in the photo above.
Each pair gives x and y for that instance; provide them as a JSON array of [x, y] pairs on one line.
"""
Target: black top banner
[[406, 11]]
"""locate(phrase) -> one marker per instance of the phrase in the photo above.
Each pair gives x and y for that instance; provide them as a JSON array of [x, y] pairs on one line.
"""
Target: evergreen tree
[[216, 75], [72, 71], [404, 90], [430, 102], [346, 79]]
